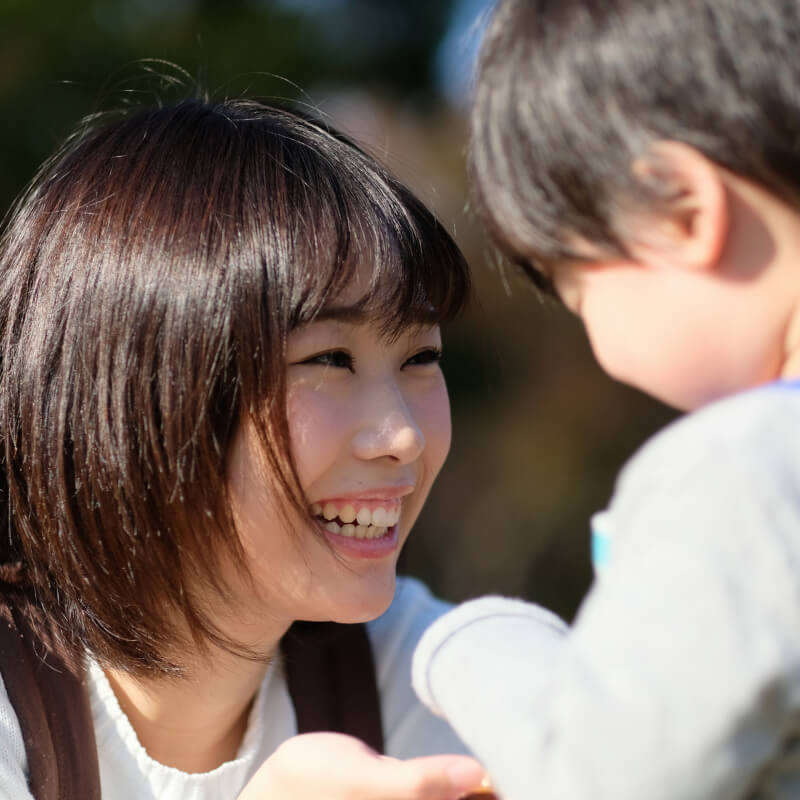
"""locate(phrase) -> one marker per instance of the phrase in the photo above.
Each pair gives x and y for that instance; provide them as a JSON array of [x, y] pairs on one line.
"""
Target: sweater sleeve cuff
[[480, 625]]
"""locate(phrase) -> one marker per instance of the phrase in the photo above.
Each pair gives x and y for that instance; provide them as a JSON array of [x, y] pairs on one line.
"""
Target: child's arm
[[681, 676]]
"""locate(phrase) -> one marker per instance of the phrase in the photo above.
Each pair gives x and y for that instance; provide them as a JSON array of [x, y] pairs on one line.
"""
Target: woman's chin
[[373, 596]]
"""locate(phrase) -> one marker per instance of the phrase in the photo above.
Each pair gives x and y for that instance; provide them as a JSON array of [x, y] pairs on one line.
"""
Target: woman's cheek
[[314, 425], [434, 415]]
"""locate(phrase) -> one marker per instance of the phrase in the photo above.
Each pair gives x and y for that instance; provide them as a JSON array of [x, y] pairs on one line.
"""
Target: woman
[[221, 412]]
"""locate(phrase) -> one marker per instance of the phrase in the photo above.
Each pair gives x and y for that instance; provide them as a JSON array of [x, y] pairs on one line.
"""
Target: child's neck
[[791, 368], [762, 277]]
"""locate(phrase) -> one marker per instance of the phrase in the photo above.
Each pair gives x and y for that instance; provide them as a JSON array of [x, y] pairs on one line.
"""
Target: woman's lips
[[363, 524]]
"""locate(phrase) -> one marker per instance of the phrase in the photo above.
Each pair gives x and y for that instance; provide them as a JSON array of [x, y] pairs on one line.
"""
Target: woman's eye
[[430, 355], [333, 358]]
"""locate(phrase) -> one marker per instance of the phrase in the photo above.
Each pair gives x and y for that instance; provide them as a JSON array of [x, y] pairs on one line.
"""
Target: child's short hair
[[148, 282], [570, 92]]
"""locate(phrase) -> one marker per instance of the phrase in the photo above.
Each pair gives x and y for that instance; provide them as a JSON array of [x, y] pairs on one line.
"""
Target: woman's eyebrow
[[355, 314], [359, 313]]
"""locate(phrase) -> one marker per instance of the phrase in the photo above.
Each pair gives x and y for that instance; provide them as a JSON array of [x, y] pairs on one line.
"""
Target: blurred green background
[[539, 431]]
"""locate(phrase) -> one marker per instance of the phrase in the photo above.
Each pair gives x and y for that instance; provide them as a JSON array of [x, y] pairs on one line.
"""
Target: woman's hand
[[332, 766]]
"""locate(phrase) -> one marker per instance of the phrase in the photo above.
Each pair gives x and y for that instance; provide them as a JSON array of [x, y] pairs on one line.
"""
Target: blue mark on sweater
[[601, 541], [790, 384]]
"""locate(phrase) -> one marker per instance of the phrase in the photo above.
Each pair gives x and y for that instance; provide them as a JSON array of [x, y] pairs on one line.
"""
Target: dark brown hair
[[148, 281], [570, 92]]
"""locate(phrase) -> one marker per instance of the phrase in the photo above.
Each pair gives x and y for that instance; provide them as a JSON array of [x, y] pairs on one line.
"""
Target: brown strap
[[330, 672], [52, 705]]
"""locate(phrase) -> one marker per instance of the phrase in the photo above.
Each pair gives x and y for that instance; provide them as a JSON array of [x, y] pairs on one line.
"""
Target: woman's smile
[[362, 526], [362, 517], [369, 426]]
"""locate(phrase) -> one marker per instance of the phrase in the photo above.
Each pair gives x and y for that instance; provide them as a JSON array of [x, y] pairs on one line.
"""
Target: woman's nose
[[388, 429]]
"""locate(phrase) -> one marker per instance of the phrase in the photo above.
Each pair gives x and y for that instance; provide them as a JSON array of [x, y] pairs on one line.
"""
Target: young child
[[641, 160], [221, 411]]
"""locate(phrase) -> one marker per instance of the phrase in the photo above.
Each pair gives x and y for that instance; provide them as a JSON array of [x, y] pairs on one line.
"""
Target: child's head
[[603, 132], [159, 286]]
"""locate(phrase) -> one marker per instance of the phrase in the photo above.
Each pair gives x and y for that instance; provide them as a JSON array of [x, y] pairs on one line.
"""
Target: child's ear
[[689, 226]]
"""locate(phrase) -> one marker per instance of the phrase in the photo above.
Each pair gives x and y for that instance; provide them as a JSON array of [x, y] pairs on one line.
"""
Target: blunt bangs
[[356, 219], [149, 280]]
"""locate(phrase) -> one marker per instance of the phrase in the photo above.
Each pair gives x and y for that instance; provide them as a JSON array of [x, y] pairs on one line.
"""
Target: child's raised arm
[[678, 679]]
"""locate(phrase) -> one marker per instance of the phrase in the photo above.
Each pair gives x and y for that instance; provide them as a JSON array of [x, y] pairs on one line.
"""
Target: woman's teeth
[[361, 523]]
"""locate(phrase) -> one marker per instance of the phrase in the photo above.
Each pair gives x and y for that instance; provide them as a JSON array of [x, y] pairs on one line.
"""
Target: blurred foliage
[[58, 58], [539, 432]]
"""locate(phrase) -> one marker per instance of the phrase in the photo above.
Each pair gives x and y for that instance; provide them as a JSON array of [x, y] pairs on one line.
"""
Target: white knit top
[[128, 773]]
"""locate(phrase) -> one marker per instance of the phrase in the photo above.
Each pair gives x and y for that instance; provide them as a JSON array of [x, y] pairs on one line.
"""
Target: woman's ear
[[687, 225]]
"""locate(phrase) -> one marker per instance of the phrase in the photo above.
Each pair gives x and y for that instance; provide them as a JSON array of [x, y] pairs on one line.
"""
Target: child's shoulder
[[732, 466], [752, 431]]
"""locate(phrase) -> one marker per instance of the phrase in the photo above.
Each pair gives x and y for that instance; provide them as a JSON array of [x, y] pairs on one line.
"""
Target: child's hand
[[338, 767]]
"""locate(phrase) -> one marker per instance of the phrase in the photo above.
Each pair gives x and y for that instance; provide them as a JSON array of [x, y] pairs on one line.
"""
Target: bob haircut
[[570, 92], [149, 279]]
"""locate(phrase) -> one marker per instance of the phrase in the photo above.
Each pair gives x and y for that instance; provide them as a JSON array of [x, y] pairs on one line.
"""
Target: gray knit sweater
[[680, 678]]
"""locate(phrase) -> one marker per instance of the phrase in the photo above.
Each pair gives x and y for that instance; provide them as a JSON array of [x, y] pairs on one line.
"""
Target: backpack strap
[[330, 672], [51, 701]]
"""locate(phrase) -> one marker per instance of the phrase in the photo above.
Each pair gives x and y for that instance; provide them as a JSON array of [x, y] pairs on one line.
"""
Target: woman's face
[[370, 429]]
